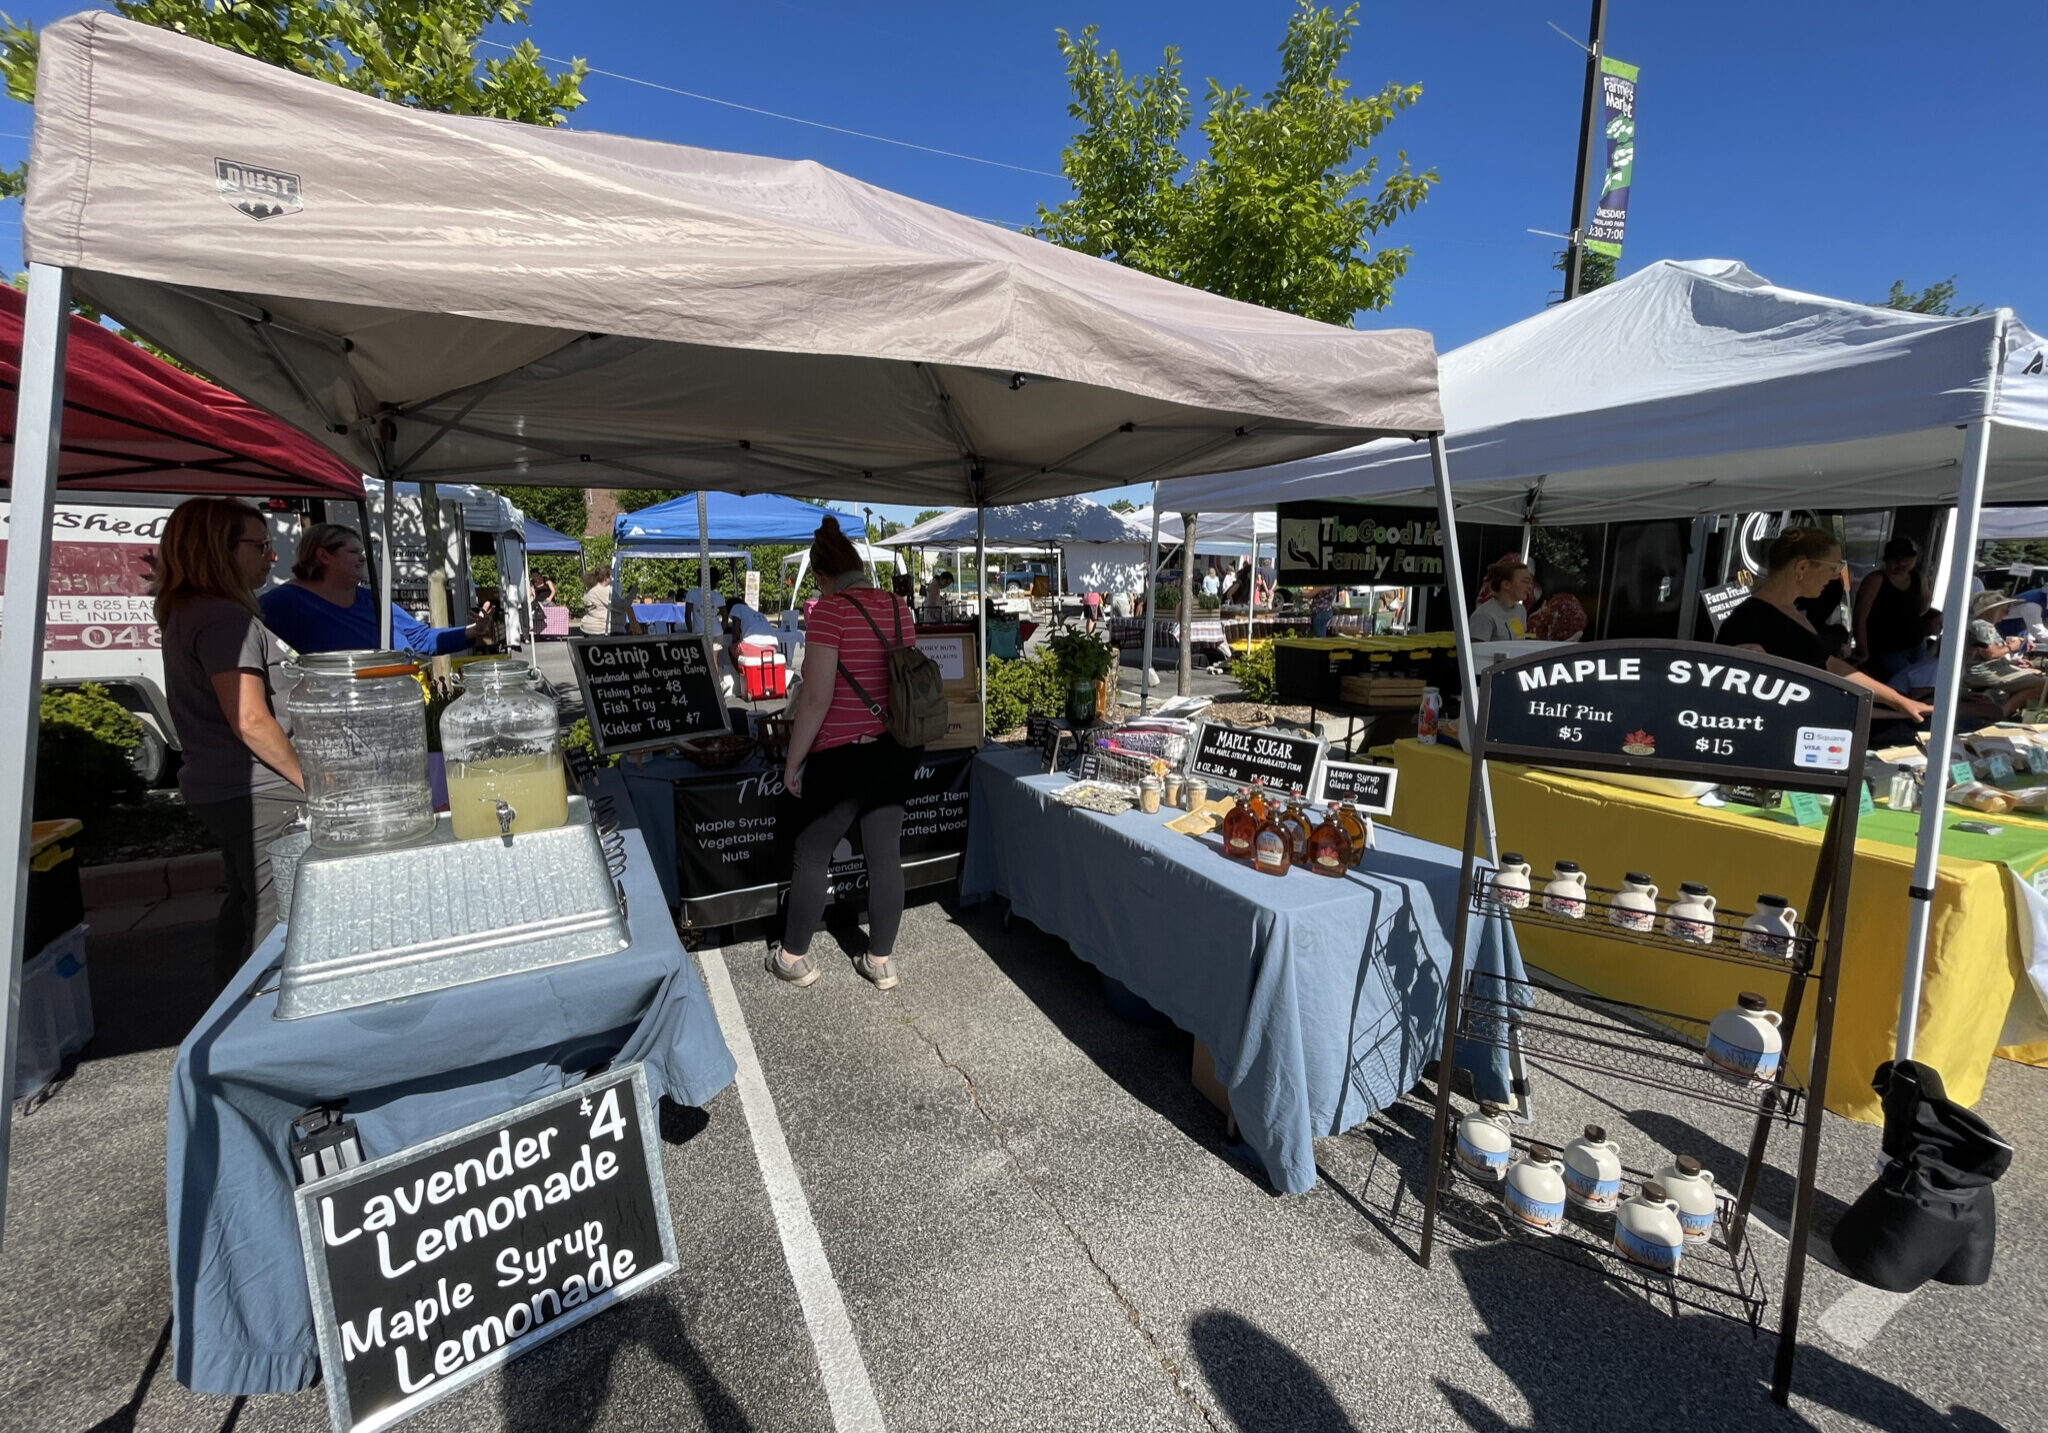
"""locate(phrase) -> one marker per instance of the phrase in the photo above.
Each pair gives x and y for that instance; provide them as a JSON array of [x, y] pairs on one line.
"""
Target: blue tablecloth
[[668, 614], [1320, 999], [410, 1070]]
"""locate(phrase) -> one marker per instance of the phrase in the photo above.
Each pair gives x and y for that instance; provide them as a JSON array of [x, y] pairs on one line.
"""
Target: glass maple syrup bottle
[[1297, 826], [1353, 826], [1272, 851], [1240, 829], [1259, 806], [1329, 849]]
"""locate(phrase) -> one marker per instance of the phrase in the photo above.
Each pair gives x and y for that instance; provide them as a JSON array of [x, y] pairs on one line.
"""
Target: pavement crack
[[1109, 1281]]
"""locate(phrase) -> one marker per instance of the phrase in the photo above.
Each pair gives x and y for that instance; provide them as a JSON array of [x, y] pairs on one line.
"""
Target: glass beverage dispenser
[[359, 724], [501, 742]]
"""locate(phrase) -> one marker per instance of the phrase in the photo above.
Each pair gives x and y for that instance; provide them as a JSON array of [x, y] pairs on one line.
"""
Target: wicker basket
[[715, 753]]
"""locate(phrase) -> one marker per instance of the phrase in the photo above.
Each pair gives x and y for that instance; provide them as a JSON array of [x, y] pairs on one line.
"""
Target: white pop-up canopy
[[1226, 534], [1698, 388], [447, 298], [1099, 550]]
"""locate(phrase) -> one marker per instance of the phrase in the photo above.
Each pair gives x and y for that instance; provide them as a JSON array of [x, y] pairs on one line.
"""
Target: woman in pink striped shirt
[[842, 765]]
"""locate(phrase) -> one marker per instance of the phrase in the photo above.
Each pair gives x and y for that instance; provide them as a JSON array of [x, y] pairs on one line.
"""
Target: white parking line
[[844, 1372], [1860, 1315]]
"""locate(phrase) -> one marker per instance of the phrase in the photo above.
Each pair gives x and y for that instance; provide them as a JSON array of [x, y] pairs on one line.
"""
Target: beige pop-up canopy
[[440, 298], [563, 307]]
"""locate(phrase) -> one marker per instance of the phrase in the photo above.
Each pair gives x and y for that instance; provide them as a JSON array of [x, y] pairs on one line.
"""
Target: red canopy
[[134, 424]]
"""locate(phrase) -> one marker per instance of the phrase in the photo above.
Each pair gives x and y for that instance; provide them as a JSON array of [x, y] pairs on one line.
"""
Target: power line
[[792, 119]]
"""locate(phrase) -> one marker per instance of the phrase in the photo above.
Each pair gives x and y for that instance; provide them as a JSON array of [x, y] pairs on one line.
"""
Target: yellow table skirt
[[1972, 952]]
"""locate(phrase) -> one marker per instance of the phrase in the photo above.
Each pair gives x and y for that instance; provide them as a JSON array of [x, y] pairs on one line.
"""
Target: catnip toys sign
[[1677, 707], [644, 692], [433, 1265]]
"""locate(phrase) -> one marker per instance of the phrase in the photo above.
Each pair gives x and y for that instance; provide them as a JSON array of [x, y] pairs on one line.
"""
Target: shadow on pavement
[[149, 988], [1150, 1060], [1261, 1384], [563, 1386]]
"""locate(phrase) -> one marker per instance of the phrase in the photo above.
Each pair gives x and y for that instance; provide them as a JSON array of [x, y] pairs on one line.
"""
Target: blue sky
[[1833, 147]]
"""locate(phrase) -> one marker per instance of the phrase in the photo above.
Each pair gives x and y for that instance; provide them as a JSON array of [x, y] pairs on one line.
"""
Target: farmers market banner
[[1618, 118], [1360, 545]]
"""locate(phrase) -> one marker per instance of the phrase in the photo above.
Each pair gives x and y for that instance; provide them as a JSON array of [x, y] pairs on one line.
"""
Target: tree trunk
[[437, 567], [1185, 687]]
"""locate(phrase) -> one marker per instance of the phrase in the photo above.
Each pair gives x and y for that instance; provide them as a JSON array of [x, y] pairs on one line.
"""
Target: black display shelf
[[1796, 956], [1623, 1041], [1661, 709]]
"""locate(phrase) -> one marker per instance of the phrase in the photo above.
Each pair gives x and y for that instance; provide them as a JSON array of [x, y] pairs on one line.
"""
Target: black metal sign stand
[[1673, 709]]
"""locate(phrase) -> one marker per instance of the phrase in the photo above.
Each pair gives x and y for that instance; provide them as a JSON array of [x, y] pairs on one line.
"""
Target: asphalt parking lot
[[1028, 1218]]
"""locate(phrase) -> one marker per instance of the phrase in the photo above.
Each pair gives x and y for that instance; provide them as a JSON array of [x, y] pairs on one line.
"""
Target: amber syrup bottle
[[1272, 852], [1296, 824], [1260, 808], [1329, 849], [1354, 829], [1240, 828]]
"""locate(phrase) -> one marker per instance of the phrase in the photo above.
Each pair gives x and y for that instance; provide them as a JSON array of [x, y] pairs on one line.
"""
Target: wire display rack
[[1740, 718]]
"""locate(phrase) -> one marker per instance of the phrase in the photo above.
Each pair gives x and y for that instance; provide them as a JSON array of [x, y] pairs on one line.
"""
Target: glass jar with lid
[[501, 743], [359, 725]]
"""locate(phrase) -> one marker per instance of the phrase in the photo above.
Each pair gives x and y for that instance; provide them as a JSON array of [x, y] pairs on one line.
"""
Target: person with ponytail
[[843, 766], [1800, 563], [223, 671]]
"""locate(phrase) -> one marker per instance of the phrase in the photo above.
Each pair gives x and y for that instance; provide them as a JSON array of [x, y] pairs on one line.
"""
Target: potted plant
[[1082, 662]]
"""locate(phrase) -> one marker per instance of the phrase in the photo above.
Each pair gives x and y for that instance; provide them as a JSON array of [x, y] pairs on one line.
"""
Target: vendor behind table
[[327, 608]]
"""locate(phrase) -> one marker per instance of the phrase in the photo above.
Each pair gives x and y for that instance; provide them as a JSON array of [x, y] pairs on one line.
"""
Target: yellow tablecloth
[[1973, 952]]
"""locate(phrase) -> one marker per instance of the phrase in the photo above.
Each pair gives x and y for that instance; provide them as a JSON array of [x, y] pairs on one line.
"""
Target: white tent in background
[[2013, 525], [1098, 550], [1221, 534], [1691, 389]]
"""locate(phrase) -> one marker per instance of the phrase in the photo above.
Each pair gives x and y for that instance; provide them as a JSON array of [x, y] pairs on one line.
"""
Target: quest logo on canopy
[[258, 192]]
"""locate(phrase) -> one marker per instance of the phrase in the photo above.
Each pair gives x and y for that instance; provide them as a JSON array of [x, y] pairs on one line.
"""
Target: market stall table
[[664, 616], [734, 863], [1320, 999], [409, 1070], [1974, 958]]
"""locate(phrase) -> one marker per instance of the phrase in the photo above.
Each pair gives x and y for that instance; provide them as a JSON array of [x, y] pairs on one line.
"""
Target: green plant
[[1080, 656], [1254, 673], [578, 738], [85, 752], [1027, 686]]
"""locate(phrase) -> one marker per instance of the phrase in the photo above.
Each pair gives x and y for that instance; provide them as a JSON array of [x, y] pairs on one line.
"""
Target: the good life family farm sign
[[1360, 545]]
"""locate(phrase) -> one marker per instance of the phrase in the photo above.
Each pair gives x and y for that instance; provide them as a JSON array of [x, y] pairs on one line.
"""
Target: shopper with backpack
[[868, 704]]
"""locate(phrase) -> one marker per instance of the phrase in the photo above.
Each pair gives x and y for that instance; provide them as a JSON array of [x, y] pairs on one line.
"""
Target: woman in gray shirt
[[222, 674]]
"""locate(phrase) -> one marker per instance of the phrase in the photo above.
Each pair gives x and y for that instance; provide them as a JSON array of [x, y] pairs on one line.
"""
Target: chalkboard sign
[[643, 692], [1238, 757], [1722, 600], [1370, 789], [1669, 708], [1090, 767], [431, 1266]]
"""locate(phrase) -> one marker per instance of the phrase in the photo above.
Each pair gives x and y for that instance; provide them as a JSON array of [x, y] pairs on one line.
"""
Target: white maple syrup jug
[[1691, 916], [1691, 1188], [1773, 929], [1566, 893], [1647, 1231], [1534, 1190], [1634, 906], [1592, 1171], [1511, 882], [1484, 1145], [1744, 1043]]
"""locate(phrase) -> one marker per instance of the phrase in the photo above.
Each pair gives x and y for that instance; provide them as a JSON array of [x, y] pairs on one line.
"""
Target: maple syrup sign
[[1675, 703], [1237, 757]]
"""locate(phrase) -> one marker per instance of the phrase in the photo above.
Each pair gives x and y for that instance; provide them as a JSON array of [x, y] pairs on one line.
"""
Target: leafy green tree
[[1123, 505], [1596, 271], [562, 509], [927, 515], [420, 53], [634, 499], [1287, 205], [1935, 298]]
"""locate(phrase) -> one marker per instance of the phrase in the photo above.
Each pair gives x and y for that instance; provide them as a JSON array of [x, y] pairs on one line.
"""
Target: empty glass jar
[[359, 724], [501, 743]]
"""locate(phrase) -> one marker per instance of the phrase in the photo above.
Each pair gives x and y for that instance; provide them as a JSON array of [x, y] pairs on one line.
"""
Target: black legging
[[842, 784]]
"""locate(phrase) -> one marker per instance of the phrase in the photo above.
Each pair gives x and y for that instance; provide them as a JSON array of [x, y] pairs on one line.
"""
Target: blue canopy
[[670, 529], [542, 540]]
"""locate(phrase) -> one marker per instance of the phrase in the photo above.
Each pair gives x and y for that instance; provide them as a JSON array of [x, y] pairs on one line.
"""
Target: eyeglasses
[[263, 542]]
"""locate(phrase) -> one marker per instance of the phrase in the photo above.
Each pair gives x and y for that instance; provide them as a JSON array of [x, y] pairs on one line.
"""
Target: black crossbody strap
[[874, 707]]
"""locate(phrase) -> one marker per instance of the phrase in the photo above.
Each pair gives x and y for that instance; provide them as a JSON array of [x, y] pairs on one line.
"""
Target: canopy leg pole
[[1251, 596], [385, 541], [1947, 694], [981, 600], [1695, 571], [704, 562], [38, 437], [1151, 586], [1184, 685], [1461, 629]]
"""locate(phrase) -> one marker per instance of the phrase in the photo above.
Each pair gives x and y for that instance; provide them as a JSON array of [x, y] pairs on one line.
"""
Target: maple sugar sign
[[1679, 703]]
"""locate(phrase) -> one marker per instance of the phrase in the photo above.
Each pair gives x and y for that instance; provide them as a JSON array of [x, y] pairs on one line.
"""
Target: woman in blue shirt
[[326, 607]]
